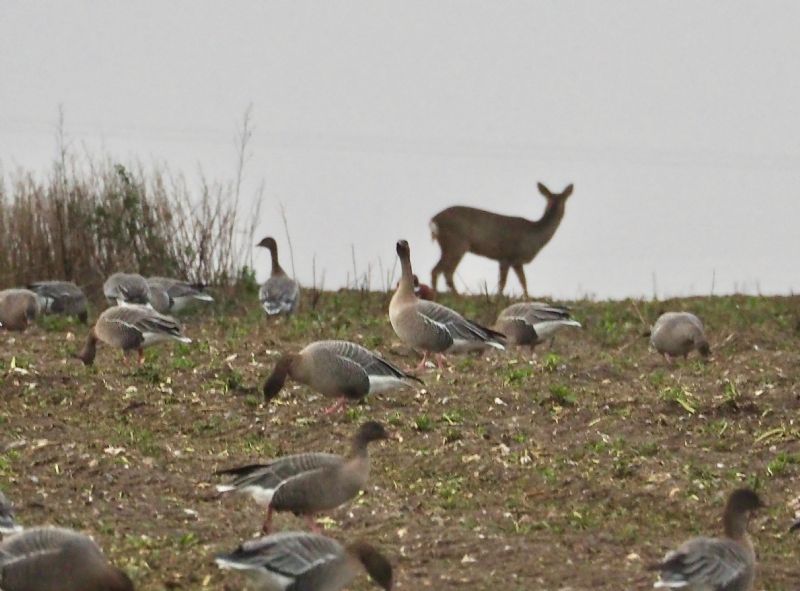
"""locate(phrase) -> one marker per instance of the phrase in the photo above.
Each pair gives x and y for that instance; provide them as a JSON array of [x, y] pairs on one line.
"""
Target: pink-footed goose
[[307, 483], [299, 561], [7, 523], [51, 558], [131, 327], [280, 294], [676, 334], [431, 327], [530, 323], [337, 369], [61, 297], [727, 563], [18, 309], [127, 288], [173, 295]]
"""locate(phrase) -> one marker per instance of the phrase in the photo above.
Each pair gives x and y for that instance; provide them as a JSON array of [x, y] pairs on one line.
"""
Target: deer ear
[[567, 192], [544, 190]]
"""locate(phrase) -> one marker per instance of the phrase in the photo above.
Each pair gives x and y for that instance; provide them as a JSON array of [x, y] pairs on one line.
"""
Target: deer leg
[[501, 284], [452, 253], [518, 269]]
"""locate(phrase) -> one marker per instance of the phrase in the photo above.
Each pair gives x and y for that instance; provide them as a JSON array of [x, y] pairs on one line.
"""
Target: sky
[[677, 122]]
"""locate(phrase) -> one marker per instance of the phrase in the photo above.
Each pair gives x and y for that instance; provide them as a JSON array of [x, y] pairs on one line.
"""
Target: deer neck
[[542, 230]]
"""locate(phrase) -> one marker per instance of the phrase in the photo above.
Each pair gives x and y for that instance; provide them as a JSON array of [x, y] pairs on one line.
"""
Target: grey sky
[[678, 122]]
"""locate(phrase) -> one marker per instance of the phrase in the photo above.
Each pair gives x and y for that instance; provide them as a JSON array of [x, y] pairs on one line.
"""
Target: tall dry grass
[[86, 219]]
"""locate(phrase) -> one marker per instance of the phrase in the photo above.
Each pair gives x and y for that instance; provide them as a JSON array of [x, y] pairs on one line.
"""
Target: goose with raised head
[[127, 288], [54, 558], [432, 327], [280, 294], [7, 523], [337, 369], [726, 563], [302, 561], [175, 295], [131, 328], [530, 323], [61, 297], [307, 483], [676, 334]]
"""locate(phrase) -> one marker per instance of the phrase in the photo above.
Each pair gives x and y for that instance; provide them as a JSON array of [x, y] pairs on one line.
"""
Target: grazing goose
[[56, 559], [18, 309], [307, 483], [431, 327], [530, 323], [131, 327], [719, 564], [280, 294], [127, 288], [338, 369], [7, 523], [179, 294], [677, 334], [301, 561], [61, 297]]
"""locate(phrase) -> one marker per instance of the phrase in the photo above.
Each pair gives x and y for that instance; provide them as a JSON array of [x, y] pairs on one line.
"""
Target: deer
[[511, 241]]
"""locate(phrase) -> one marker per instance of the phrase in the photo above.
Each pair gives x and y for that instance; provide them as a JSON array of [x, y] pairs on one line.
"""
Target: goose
[[530, 323], [179, 294], [280, 294], [61, 297], [18, 309], [307, 483], [306, 562], [7, 523], [53, 558], [677, 334], [727, 563], [127, 288], [131, 327], [338, 369], [431, 327], [795, 526]]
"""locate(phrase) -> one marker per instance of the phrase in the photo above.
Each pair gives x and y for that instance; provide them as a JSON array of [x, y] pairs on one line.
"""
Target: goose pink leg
[[313, 525], [337, 406]]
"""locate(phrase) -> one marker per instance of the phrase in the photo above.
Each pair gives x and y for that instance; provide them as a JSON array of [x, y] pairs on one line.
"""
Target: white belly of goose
[[150, 338], [265, 579], [550, 327], [379, 384]]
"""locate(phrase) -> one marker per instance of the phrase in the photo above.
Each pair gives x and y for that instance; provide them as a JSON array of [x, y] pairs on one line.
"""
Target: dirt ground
[[568, 468]]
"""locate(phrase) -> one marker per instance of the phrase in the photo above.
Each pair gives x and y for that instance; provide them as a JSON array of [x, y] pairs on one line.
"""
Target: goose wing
[[279, 294], [704, 563], [270, 475], [459, 328], [289, 557], [7, 524], [536, 312], [372, 363]]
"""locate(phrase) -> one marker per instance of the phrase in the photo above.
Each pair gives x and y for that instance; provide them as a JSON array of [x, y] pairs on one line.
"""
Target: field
[[569, 468]]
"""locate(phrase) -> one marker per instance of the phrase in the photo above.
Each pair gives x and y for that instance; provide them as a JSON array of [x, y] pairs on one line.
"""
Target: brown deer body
[[511, 241]]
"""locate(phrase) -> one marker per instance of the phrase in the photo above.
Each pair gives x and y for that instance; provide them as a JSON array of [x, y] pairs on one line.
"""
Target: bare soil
[[571, 467]]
